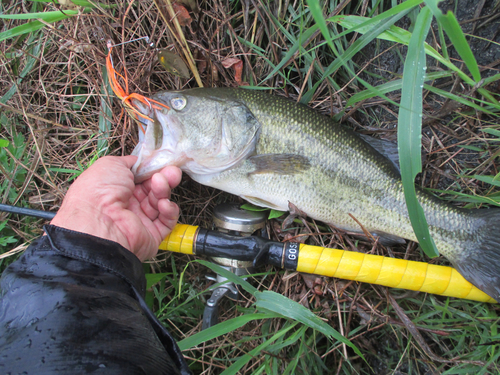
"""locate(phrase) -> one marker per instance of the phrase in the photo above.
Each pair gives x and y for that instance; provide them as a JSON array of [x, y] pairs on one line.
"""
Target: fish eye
[[178, 103]]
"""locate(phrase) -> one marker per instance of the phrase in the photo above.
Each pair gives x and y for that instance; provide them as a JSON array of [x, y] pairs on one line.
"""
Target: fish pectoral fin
[[294, 213], [282, 164], [261, 202]]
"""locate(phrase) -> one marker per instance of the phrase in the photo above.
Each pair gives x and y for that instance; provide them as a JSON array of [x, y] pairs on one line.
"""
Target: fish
[[272, 152]]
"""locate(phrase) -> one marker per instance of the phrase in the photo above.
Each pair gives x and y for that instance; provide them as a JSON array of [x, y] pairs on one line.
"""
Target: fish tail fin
[[480, 262]]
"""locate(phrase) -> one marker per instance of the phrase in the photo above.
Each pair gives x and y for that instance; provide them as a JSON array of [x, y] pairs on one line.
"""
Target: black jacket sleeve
[[74, 304]]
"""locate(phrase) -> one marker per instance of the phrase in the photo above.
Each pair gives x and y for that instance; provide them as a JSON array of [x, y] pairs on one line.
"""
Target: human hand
[[105, 202]]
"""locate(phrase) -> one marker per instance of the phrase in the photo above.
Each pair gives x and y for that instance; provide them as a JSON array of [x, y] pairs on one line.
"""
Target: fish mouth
[[157, 146]]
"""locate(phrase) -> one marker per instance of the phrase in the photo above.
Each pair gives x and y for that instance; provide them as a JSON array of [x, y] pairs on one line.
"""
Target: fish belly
[[346, 203]]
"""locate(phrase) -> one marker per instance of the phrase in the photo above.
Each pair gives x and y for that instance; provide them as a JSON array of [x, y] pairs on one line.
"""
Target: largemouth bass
[[271, 151]]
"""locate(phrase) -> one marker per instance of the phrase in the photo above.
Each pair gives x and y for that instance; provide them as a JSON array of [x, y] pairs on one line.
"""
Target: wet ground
[[445, 120]]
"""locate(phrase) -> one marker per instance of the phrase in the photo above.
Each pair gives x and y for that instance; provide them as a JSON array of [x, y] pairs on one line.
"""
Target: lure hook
[[123, 93]]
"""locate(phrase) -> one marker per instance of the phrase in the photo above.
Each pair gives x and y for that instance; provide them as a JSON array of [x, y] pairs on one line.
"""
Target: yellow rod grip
[[181, 240], [367, 268], [391, 272]]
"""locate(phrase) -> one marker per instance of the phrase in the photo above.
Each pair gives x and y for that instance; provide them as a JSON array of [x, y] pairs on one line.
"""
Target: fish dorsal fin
[[386, 148], [281, 164]]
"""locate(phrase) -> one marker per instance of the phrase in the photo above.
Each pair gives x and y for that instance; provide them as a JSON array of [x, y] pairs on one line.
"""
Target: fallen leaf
[[202, 66], [201, 61], [75, 46], [230, 61], [182, 15], [215, 74], [237, 65], [191, 4]]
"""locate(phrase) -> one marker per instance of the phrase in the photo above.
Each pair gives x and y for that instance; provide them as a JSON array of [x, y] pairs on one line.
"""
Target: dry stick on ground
[[29, 170], [418, 337], [34, 166], [180, 38], [35, 117]]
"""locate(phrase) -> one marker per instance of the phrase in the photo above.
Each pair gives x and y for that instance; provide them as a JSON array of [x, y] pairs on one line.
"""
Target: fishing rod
[[343, 264]]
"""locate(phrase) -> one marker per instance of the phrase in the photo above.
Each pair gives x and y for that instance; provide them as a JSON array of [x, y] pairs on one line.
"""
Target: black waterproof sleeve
[[74, 304]]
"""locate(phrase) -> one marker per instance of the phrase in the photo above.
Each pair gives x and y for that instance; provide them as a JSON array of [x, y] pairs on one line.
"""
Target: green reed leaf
[[457, 37], [410, 129]]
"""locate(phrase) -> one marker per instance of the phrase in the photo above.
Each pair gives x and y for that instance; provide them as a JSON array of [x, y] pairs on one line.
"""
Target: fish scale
[[362, 176], [271, 151]]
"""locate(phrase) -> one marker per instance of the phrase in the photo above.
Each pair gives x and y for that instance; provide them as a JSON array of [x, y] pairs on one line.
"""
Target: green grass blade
[[153, 278], [221, 329], [229, 275], [492, 180], [290, 340], [457, 37], [298, 44], [345, 57], [81, 3], [491, 79], [27, 28], [105, 115], [31, 60], [459, 99], [282, 305], [410, 129], [293, 49], [65, 170], [463, 197], [233, 370], [274, 214], [367, 23], [493, 132], [398, 35], [285, 306], [46, 16], [385, 88]]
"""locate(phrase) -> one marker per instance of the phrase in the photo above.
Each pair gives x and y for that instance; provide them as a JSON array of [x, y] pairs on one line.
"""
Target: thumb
[[128, 160]]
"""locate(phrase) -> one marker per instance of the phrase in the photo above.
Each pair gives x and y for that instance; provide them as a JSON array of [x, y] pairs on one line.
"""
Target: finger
[[160, 190], [173, 175], [128, 160], [143, 189], [141, 192], [135, 206], [146, 184], [144, 204], [150, 207], [169, 214], [114, 161], [160, 186]]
